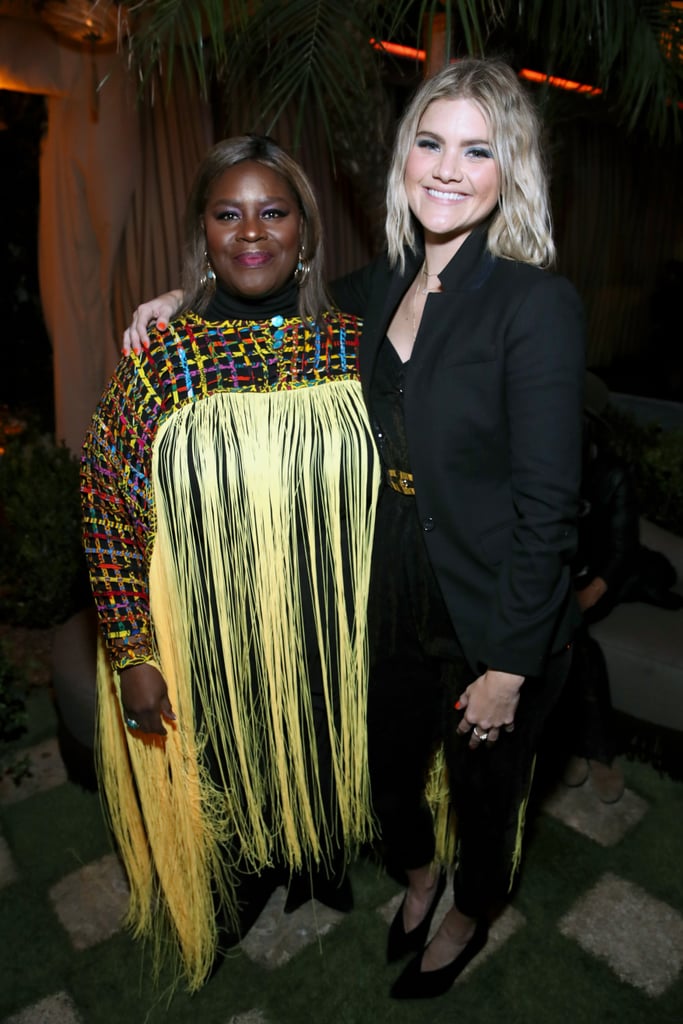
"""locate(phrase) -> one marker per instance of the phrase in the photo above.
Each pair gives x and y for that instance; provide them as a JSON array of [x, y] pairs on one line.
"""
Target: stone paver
[[640, 937], [581, 809], [8, 870], [47, 771], [92, 901], [276, 937], [510, 921], [56, 1009]]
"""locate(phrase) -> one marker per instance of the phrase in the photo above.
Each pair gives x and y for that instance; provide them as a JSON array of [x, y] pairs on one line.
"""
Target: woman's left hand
[[144, 699], [489, 704]]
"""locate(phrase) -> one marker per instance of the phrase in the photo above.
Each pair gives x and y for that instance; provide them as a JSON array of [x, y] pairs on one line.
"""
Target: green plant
[[662, 480], [42, 575], [655, 459], [13, 718], [311, 51]]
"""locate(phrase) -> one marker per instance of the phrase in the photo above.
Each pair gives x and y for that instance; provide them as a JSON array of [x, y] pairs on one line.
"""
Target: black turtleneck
[[226, 306]]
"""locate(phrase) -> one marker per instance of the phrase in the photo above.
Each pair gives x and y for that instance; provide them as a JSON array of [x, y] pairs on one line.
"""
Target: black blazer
[[493, 396]]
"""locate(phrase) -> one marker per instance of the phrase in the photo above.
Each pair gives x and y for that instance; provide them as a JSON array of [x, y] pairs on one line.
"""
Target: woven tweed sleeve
[[118, 509], [185, 364]]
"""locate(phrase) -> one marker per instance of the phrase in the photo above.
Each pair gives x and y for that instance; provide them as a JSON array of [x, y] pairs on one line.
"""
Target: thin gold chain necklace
[[417, 290]]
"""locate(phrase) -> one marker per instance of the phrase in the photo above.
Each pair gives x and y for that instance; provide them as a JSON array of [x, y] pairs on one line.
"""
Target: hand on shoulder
[[159, 311]]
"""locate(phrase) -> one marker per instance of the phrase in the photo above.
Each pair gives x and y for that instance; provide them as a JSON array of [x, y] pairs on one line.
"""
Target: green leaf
[[317, 52]]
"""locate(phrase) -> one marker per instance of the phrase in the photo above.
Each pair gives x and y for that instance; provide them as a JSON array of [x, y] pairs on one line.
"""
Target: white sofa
[[643, 647]]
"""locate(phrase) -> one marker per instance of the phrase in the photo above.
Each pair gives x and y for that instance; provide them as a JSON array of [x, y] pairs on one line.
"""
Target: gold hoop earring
[[303, 268], [208, 278]]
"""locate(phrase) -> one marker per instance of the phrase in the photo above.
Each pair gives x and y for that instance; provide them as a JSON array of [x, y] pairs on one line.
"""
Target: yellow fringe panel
[[117, 785], [169, 868], [271, 467], [521, 819], [437, 794]]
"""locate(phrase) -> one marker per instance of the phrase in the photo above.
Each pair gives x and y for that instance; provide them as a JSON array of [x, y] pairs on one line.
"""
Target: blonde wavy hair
[[521, 226]]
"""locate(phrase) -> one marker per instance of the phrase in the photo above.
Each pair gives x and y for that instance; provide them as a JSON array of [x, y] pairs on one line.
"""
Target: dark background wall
[[26, 376], [618, 211]]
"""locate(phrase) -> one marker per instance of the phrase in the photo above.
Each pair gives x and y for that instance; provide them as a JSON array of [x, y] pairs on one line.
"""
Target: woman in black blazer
[[472, 363], [472, 366]]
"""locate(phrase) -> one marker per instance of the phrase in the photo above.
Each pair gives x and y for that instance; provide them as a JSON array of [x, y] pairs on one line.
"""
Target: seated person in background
[[611, 566]]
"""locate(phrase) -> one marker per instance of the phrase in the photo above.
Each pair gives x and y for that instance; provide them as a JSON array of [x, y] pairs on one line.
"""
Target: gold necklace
[[424, 291], [414, 308], [427, 275]]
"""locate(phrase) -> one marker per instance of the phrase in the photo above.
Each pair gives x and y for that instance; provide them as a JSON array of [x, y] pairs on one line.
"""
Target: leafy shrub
[[655, 459], [43, 579], [13, 716]]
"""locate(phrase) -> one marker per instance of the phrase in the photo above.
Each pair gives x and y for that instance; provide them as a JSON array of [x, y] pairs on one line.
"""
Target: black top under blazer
[[492, 402]]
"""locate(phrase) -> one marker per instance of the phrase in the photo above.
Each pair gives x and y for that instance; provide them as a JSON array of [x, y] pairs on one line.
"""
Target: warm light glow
[[671, 43], [399, 51], [533, 76], [559, 83]]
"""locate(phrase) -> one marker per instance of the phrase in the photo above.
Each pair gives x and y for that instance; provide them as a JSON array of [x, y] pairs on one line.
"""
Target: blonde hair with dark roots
[[314, 299], [521, 226]]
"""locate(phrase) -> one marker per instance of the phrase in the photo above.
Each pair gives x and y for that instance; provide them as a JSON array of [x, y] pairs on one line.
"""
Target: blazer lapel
[[471, 264], [388, 290], [468, 269]]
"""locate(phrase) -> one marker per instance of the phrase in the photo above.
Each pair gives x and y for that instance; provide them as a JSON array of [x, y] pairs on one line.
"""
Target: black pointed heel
[[400, 942], [416, 984]]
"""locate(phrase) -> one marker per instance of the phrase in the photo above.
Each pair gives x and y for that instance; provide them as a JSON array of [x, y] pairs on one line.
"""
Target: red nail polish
[[457, 705]]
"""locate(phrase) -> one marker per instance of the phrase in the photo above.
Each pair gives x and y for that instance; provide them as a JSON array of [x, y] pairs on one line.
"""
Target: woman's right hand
[[159, 311], [490, 703], [145, 699]]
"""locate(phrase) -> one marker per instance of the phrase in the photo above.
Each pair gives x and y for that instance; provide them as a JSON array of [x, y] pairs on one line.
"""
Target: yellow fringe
[[163, 837], [271, 467], [519, 837], [437, 794], [118, 787]]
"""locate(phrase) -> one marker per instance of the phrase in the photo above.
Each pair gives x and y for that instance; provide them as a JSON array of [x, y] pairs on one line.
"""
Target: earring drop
[[209, 275], [303, 268]]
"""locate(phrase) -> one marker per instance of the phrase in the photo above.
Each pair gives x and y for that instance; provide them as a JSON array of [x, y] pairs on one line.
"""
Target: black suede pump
[[400, 942], [416, 984]]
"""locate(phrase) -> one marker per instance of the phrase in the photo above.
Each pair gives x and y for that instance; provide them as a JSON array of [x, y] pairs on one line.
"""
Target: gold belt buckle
[[401, 481]]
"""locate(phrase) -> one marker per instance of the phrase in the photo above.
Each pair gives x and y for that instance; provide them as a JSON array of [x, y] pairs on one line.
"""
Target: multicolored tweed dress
[[229, 482]]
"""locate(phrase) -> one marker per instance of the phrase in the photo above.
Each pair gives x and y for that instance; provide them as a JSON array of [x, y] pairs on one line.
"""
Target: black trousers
[[411, 711], [586, 718], [418, 672]]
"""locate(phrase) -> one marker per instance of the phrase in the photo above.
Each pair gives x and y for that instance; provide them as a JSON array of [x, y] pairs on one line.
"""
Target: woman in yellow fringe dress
[[228, 485]]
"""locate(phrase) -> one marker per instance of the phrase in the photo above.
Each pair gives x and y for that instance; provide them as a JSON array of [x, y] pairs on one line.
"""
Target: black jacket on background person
[[609, 540]]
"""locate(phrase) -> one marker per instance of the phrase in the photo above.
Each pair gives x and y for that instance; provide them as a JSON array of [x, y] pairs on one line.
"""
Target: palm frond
[[318, 51], [162, 32], [632, 49]]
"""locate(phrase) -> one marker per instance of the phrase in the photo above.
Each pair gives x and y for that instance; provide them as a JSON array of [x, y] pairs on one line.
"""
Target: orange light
[[399, 51], [559, 83]]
